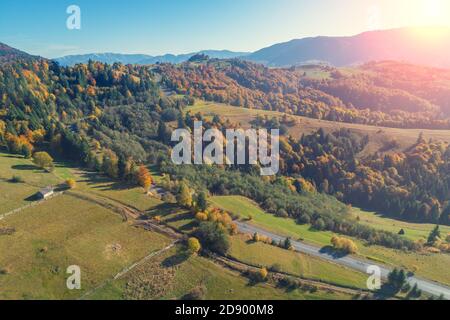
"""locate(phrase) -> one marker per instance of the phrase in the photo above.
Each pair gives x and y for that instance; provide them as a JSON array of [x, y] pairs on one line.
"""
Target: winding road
[[430, 287]]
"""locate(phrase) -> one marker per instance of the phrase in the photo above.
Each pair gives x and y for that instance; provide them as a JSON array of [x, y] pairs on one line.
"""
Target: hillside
[[366, 95], [425, 46], [378, 136], [8, 53]]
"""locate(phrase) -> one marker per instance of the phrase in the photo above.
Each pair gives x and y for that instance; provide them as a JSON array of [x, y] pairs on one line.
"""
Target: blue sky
[[182, 26]]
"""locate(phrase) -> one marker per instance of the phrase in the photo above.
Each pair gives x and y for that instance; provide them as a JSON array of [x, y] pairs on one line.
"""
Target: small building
[[46, 193]]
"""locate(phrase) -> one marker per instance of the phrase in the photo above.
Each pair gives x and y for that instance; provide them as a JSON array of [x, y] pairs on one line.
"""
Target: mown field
[[377, 135], [427, 265], [413, 231], [168, 277], [294, 263], [66, 231]]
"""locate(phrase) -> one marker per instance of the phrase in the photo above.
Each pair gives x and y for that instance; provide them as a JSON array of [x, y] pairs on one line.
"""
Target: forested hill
[[115, 118], [8, 54], [387, 94]]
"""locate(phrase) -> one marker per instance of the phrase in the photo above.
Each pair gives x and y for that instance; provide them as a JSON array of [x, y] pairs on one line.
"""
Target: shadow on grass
[[188, 226], [336, 254], [179, 258], [164, 209], [24, 167], [103, 183]]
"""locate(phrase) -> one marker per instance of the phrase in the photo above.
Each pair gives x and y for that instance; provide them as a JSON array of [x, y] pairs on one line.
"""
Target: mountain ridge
[[428, 46], [110, 57], [417, 45]]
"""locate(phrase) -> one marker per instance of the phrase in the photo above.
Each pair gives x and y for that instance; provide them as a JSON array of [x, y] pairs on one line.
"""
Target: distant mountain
[[427, 46], [144, 59], [8, 53]]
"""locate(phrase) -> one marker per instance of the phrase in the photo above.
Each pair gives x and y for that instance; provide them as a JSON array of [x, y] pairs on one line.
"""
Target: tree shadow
[[189, 226], [179, 217], [164, 209], [385, 292], [24, 167], [335, 254], [179, 258], [93, 179]]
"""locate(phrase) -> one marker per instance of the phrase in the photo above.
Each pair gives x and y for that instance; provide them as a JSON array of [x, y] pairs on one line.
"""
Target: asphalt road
[[348, 261]]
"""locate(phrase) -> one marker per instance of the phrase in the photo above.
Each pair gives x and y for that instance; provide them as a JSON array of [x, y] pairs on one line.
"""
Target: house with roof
[[46, 193]]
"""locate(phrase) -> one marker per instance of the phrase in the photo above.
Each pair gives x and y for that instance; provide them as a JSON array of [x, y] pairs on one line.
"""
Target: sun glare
[[431, 12]]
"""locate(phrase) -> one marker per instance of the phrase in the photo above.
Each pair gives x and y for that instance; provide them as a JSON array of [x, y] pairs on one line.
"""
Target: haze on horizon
[[159, 26]]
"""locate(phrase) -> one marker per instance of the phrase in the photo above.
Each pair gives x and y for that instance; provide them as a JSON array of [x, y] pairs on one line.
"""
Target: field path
[[430, 287]]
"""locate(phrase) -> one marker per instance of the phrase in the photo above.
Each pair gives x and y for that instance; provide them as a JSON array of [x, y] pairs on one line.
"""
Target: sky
[[182, 26]]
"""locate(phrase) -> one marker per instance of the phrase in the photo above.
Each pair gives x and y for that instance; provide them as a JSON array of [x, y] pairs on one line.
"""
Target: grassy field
[[378, 135], [414, 231], [430, 266], [298, 264], [11, 165], [167, 277], [67, 231]]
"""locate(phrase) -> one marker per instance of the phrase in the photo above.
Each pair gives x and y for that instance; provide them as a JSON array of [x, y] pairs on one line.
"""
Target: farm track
[[242, 267], [134, 215], [351, 262]]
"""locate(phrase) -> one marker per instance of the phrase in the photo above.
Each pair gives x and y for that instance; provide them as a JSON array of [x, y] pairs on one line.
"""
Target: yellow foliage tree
[[194, 246], [184, 196], [71, 183], [201, 216], [343, 244], [144, 178]]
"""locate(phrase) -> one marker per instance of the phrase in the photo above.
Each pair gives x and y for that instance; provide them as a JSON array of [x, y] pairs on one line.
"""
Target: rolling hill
[[7, 53], [427, 46]]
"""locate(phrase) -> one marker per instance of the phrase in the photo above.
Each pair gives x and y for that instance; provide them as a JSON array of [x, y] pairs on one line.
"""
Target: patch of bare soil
[[151, 280]]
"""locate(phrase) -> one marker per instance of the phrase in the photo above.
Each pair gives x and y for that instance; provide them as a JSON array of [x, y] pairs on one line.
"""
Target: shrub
[[276, 268], [319, 224], [43, 160], [304, 219], [213, 237], [198, 293], [201, 216], [345, 245], [71, 183], [259, 275], [193, 245], [168, 197], [17, 179]]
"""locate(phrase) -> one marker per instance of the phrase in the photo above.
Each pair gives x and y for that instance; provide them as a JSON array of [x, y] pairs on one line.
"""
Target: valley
[[87, 179]]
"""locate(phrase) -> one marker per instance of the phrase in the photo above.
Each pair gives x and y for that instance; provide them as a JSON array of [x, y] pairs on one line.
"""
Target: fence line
[[33, 204]]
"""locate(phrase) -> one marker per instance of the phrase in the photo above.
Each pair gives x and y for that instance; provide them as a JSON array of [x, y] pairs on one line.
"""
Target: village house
[[45, 193]]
